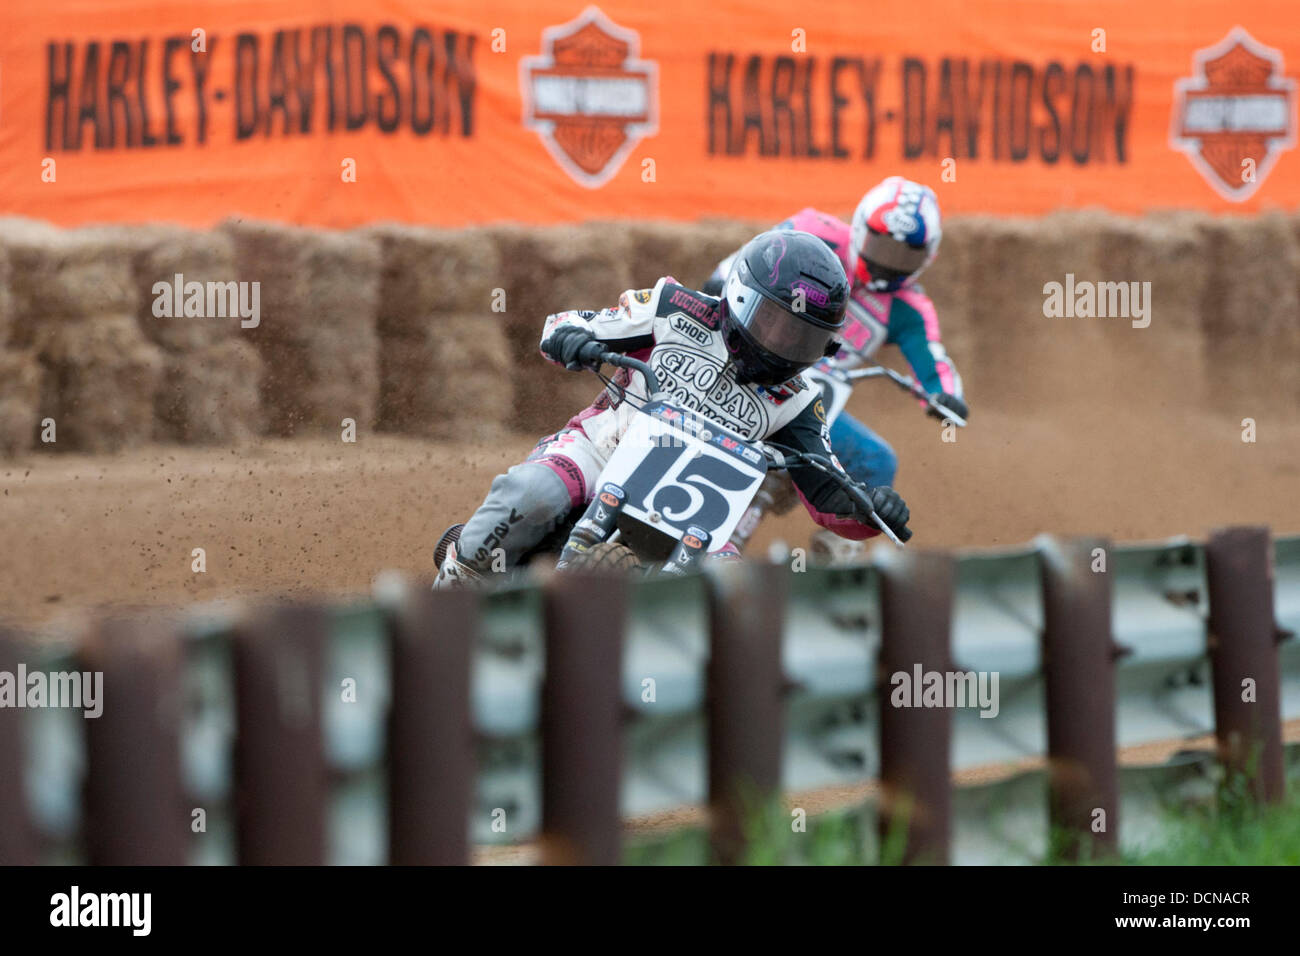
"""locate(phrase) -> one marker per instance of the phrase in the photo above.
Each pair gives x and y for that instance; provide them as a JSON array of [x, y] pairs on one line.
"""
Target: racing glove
[[889, 505], [574, 347], [892, 509], [949, 401]]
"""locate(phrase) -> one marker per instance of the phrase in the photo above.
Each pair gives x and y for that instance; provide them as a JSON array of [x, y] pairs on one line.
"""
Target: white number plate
[[694, 473]]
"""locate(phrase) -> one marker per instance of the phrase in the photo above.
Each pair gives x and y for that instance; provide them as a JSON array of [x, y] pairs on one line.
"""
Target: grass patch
[[1228, 829], [1231, 830]]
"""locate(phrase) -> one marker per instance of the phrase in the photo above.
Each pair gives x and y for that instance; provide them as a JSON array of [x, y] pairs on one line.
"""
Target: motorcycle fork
[[596, 524], [688, 552]]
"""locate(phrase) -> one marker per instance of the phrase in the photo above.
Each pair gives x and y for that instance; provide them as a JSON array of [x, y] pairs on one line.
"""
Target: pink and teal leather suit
[[905, 318]]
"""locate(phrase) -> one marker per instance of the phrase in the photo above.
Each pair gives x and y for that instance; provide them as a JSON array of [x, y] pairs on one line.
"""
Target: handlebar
[[909, 384], [620, 360], [785, 458]]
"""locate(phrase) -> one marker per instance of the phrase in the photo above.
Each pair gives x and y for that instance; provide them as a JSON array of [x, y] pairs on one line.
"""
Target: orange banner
[[352, 111]]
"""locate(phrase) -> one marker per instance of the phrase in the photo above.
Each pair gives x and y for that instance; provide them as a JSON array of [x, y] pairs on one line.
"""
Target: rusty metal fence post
[[915, 741], [582, 718], [430, 728], [280, 770], [1079, 674], [746, 685], [1243, 637], [135, 807], [17, 839]]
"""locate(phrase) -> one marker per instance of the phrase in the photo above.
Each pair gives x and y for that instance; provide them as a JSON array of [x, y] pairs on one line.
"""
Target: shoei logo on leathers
[[690, 329]]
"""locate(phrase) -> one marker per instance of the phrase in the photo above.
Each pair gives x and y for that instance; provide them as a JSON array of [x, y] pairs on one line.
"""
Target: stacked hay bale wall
[[212, 377], [444, 367], [73, 304], [434, 332], [317, 329]]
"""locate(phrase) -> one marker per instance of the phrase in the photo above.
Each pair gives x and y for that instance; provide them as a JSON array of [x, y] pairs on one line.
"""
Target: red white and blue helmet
[[895, 235]]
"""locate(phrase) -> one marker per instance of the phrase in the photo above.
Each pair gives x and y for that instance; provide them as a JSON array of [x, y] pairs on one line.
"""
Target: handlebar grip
[[591, 354]]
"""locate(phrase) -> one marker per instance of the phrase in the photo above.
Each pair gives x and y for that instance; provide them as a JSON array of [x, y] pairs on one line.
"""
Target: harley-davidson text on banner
[[549, 111]]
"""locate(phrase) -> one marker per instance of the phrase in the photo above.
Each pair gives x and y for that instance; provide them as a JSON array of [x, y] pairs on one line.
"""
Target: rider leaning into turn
[[894, 236], [736, 359]]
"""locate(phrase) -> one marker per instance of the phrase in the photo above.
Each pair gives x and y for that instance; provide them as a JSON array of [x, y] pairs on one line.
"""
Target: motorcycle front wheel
[[608, 556]]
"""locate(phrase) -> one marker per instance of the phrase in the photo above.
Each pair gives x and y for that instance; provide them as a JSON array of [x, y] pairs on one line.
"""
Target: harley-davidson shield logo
[[589, 97], [1236, 115]]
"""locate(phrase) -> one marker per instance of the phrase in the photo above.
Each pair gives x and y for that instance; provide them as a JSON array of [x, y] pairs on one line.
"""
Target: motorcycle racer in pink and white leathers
[[893, 237], [736, 359]]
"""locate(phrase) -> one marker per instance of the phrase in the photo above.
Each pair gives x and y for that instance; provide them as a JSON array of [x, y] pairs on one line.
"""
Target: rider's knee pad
[[523, 507]]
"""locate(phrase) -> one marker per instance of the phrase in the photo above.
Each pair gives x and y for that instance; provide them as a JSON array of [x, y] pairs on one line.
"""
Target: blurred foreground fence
[[412, 729]]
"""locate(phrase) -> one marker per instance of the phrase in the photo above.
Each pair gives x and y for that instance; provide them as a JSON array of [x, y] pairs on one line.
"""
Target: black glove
[[713, 286], [574, 347], [891, 509], [889, 505], [951, 402]]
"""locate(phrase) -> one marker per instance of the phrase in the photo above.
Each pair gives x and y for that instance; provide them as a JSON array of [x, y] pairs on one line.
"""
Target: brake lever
[[861, 497], [776, 459]]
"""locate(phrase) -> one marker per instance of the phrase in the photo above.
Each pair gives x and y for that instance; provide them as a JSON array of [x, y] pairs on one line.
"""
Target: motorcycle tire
[[449, 537], [607, 556]]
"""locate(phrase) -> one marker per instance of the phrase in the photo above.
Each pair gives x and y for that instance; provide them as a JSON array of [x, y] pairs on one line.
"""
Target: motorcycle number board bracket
[[680, 470]]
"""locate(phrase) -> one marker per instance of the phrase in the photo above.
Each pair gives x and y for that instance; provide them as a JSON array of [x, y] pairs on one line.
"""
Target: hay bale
[[103, 376], [948, 283], [434, 271], [1251, 289], [342, 272], [688, 252], [308, 278], [1167, 252], [564, 267], [313, 386], [1005, 309], [319, 294], [1249, 306], [450, 378], [207, 256], [550, 270], [545, 395], [211, 395], [20, 400], [6, 296], [72, 275]]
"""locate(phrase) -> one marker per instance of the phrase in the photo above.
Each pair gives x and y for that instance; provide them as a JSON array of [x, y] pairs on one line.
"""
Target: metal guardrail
[[829, 655]]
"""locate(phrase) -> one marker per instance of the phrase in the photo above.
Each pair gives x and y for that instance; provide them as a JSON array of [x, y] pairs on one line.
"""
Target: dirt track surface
[[1133, 454]]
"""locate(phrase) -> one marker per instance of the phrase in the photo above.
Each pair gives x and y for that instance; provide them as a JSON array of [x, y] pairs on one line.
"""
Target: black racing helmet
[[783, 301]]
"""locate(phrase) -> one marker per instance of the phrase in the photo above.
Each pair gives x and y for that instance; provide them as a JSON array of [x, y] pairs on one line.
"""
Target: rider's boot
[[452, 573]]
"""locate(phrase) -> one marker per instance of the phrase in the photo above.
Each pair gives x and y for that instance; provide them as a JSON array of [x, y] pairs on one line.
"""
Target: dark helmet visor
[[772, 327], [898, 257]]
